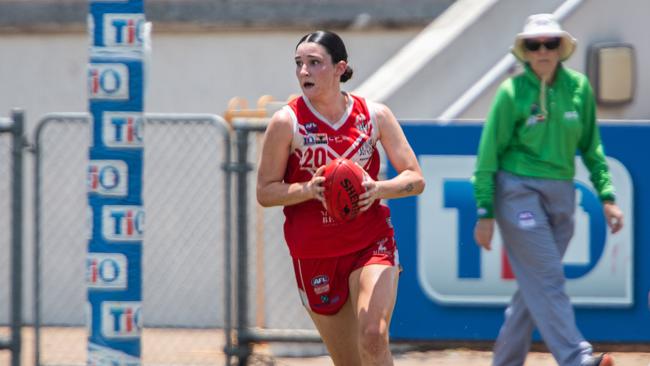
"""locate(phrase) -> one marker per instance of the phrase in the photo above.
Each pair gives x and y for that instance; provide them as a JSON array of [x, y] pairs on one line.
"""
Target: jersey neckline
[[334, 125]]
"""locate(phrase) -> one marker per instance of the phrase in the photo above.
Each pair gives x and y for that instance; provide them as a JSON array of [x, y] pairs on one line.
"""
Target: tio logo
[[108, 81], [123, 223], [106, 271], [123, 30], [122, 129], [108, 177], [121, 319], [452, 269]]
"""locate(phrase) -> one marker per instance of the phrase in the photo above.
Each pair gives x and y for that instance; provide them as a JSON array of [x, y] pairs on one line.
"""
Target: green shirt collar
[[560, 74]]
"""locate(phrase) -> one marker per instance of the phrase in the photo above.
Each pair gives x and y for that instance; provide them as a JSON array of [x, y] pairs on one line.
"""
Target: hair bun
[[347, 74]]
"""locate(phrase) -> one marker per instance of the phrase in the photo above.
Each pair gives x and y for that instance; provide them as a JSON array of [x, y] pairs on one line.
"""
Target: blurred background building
[[423, 58], [207, 51], [41, 14]]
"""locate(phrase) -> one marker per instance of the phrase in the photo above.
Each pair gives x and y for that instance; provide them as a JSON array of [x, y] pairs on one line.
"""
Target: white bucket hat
[[543, 25]]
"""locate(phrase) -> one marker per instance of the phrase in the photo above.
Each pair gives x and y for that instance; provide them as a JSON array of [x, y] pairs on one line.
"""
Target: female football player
[[346, 271]]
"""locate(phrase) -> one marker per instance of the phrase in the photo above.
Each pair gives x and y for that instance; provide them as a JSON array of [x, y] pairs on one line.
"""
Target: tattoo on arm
[[408, 188]]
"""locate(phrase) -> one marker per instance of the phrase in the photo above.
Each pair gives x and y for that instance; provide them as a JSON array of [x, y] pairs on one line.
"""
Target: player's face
[[314, 69], [543, 60]]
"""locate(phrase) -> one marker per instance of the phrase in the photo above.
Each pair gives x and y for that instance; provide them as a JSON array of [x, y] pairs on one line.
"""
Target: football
[[343, 185]]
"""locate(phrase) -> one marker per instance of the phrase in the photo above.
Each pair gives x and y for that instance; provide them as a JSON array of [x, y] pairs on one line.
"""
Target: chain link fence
[[185, 195]]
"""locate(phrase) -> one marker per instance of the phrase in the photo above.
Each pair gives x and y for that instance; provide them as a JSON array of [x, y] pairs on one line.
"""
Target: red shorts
[[323, 282]]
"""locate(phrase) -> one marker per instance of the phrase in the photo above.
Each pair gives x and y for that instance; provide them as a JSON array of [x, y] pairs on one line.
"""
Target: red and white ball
[[343, 186]]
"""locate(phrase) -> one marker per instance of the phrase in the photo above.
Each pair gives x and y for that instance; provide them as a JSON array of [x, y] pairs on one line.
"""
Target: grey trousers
[[535, 217]]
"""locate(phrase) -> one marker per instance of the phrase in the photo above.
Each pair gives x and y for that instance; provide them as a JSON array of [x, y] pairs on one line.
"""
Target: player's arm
[[409, 180], [271, 188]]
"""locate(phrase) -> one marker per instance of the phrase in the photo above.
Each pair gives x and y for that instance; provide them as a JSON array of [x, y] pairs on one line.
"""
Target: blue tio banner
[[451, 289], [114, 183]]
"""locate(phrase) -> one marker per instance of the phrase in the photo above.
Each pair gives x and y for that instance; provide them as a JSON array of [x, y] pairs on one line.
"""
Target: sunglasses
[[534, 45]]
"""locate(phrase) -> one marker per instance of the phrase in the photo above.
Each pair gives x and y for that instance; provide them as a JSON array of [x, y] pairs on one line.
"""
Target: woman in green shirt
[[524, 181]]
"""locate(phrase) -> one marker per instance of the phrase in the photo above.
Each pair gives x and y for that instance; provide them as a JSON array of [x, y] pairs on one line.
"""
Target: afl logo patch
[[311, 127]]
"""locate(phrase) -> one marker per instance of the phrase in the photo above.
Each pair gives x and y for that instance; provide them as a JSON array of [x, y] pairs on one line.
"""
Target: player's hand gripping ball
[[343, 186]]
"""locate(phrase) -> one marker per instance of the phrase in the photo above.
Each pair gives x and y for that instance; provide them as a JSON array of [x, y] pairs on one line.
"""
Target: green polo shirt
[[519, 138]]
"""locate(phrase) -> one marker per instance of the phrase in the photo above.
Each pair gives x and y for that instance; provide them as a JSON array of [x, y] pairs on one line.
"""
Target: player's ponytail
[[347, 74]]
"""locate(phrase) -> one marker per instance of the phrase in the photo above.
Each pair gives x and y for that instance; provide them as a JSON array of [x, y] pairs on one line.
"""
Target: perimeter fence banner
[[452, 290]]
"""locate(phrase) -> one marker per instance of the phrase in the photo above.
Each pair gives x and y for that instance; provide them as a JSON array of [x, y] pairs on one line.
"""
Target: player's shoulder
[[374, 108], [282, 120], [363, 101], [381, 113]]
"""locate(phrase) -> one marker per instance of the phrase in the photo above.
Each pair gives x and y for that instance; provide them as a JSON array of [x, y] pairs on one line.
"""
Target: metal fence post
[[243, 343], [228, 168], [17, 235], [15, 127]]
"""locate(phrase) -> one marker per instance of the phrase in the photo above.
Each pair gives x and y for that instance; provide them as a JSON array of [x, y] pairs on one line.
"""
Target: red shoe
[[604, 360]]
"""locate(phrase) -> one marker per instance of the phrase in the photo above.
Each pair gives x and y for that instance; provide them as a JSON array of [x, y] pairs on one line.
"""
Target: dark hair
[[333, 44]]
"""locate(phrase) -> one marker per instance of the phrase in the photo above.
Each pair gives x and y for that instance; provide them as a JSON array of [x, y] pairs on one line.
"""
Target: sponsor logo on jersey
[[361, 123], [366, 150], [339, 139], [315, 139]]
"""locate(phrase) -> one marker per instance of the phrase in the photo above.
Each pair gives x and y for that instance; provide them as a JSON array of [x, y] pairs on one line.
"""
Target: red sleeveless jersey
[[309, 231]]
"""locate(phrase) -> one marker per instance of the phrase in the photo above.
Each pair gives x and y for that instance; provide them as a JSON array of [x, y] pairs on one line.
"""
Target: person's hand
[[315, 187], [483, 232], [613, 215], [367, 198]]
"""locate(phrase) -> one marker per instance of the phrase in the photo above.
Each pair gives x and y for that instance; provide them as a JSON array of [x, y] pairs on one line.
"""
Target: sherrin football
[[343, 186]]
